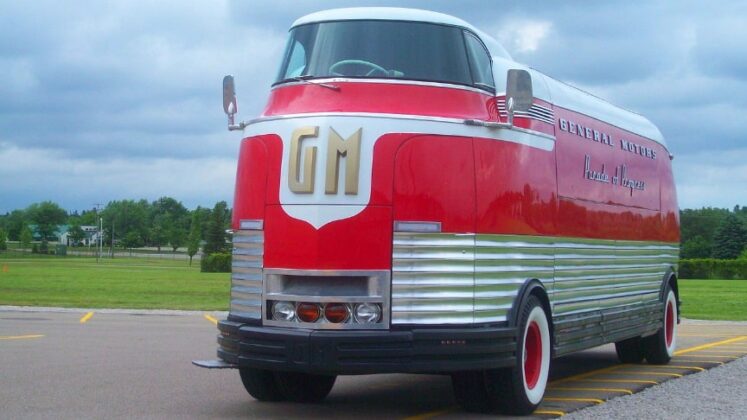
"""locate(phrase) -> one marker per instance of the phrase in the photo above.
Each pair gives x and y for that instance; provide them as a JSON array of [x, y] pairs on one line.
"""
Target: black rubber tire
[[630, 350], [260, 384], [655, 347], [470, 392], [503, 390], [304, 387]]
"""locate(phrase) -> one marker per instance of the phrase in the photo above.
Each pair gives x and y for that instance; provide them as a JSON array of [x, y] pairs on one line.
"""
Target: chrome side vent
[[535, 112], [246, 273]]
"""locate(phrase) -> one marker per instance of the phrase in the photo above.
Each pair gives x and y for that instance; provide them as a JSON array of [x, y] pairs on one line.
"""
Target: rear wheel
[[630, 350], [260, 384], [659, 348], [520, 388], [304, 387]]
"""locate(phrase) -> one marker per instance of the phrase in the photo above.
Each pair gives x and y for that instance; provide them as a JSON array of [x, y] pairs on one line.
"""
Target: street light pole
[[101, 237]]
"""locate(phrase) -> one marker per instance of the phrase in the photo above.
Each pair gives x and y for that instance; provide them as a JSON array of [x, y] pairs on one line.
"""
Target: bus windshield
[[379, 49]]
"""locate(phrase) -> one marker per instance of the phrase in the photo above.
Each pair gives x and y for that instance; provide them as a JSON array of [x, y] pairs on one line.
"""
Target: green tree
[[743, 255], [132, 240], [193, 242], [157, 235], [697, 247], [215, 240], [124, 217], [47, 216], [176, 236], [25, 237], [14, 223], [730, 238], [3, 240], [76, 234], [701, 223]]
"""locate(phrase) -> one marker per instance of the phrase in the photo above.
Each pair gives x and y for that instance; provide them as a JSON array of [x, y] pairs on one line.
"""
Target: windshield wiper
[[305, 79]]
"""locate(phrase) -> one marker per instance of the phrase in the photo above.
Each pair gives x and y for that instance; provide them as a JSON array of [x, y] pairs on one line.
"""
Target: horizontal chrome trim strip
[[439, 276], [421, 227], [385, 81], [251, 224], [410, 117]]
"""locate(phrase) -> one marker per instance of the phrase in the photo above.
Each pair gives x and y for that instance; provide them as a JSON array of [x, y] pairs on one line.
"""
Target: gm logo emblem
[[305, 163]]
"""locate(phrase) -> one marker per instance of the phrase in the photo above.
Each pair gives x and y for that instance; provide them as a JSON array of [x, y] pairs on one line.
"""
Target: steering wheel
[[374, 67]]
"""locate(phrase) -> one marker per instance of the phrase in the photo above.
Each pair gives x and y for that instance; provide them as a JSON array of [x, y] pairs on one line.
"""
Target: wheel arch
[[532, 287], [670, 279]]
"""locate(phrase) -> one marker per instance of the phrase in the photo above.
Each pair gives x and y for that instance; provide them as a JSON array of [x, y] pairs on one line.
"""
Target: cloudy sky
[[106, 100]]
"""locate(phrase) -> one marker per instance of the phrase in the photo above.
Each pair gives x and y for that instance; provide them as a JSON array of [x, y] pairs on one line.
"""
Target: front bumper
[[350, 352]]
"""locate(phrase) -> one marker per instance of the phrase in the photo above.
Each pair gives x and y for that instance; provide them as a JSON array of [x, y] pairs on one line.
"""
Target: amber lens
[[308, 312], [336, 312]]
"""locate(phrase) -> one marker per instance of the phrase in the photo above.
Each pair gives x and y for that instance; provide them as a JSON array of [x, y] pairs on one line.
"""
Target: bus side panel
[[251, 181], [516, 188], [434, 180]]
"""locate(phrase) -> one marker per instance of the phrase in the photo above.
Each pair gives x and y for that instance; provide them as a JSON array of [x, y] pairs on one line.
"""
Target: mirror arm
[[233, 126], [488, 124], [510, 111]]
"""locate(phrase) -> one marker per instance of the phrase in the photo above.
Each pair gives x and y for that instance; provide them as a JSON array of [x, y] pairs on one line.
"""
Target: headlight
[[367, 313], [283, 311]]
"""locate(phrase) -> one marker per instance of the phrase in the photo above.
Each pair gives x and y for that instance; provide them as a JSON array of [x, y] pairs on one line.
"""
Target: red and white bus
[[413, 200]]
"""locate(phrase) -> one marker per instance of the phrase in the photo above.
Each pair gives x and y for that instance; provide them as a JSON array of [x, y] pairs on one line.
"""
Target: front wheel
[[304, 387], [518, 389], [659, 348], [260, 384]]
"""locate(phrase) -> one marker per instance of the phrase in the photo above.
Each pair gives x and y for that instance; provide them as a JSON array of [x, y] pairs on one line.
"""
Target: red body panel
[[382, 98], [432, 182], [468, 184]]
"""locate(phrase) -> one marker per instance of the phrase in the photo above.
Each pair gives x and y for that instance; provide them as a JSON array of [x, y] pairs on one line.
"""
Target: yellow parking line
[[714, 356], [563, 388], [650, 373], [695, 359], [20, 337], [588, 374], [699, 369], [710, 345], [550, 412], [594, 400], [431, 414], [86, 317], [211, 319], [705, 335], [621, 381], [720, 352]]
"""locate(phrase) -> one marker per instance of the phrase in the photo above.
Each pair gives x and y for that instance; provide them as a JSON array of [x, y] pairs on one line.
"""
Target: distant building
[[91, 235]]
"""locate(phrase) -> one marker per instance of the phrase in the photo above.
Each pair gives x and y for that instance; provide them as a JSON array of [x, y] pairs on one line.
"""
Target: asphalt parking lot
[[81, 364]]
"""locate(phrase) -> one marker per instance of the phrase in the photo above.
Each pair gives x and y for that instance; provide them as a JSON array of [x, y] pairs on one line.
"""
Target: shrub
[[216, 263], [711, 268]]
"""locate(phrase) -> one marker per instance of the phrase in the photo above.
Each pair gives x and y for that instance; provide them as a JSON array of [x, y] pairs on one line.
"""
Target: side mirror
[[230, 107], [229, 96], [518, 92]]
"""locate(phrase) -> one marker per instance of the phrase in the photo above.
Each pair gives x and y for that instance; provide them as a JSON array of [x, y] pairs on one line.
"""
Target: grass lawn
[[137, 283], [714, 299], [144, 283]]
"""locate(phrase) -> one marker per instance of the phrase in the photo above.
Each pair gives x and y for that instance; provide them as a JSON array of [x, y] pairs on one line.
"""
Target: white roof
[[547, 88]]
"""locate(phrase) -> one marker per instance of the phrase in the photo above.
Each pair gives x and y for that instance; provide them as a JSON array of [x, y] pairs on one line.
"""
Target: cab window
[[384, 49], [479, 61]]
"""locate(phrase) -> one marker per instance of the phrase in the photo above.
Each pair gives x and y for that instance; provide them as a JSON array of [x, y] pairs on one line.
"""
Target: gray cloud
[[130, 90]]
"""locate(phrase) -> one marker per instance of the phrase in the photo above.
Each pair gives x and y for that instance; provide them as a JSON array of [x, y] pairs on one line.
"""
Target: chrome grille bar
[[246, 273]]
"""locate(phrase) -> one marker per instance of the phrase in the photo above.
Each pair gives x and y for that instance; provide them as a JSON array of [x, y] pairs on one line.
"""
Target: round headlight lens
[[283, 311], [367, 313]]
